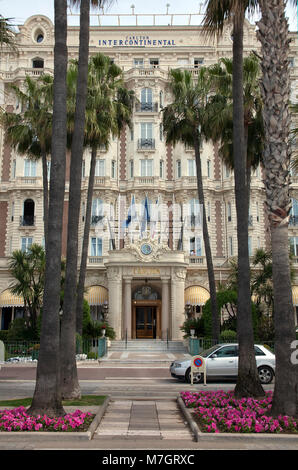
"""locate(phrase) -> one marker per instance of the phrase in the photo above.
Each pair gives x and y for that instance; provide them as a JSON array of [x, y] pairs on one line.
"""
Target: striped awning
[[295, 295], [8, 299], [96, 295], [196, 295]]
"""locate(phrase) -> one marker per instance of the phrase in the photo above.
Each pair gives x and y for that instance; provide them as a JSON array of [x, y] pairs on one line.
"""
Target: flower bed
[[221, 412], [18, 420]]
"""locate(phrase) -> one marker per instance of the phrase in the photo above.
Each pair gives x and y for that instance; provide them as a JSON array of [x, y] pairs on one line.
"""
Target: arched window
[[28, 212]]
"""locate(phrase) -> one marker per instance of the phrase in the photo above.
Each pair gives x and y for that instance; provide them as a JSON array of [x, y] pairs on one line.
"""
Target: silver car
[[222, 361]]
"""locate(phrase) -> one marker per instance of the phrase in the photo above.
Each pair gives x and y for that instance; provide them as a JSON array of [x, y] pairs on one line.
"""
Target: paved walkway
[[143, 419]]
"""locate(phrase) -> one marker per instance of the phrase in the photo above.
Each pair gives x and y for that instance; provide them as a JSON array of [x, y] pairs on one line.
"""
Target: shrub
[[228, 336], [193, 323]]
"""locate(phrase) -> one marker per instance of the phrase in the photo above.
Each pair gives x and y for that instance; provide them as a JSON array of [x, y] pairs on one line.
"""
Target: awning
[[96, 295], [196, 295], [295, 295], [8, 299]]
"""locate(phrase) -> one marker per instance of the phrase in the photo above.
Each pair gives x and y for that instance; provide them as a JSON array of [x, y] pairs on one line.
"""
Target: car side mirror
[[213, 356]]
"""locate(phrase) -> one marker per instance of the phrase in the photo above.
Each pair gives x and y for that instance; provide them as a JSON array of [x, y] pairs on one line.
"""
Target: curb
[[199, 435], [58, 435]]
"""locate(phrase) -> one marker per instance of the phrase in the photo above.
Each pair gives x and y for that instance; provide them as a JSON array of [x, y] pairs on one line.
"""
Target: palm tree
[[275, 87], [7, 36], [109, 108], [217, 12], [184, 121], [69, 379], [29, 132], [47, 395], [221, 112], [27, 268]]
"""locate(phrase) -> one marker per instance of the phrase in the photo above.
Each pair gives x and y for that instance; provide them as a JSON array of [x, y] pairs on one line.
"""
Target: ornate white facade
[[139, 165]]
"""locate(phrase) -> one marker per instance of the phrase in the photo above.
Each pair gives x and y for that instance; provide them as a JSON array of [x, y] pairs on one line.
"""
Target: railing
[[147, 107], [27, 220], [95, 219], [196, 259], [95, 260], [146, 144]]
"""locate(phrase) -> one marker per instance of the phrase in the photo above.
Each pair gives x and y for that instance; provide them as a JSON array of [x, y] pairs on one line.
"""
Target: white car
[[222, 361]]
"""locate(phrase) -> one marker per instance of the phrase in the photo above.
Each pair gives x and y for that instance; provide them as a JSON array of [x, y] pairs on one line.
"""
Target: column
[[165, 309], [115, 300], [127, 307], [177, 298]]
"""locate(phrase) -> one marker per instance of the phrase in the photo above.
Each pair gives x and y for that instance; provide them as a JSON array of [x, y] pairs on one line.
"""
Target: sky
[[20, 10]]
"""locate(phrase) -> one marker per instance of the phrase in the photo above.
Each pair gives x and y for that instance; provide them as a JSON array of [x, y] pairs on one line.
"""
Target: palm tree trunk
[[211, 277], [273, 35], [69, 377], [82, 275], [248, 383], [45, 196], [47, 394]]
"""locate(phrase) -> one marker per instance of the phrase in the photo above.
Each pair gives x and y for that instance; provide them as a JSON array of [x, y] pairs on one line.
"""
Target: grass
[[85, 400]]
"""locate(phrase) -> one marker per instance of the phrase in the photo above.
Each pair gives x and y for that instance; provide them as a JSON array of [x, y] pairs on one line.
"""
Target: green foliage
[[193, 323], [228, 336], [226, 299], [20, 330], [3, 335]]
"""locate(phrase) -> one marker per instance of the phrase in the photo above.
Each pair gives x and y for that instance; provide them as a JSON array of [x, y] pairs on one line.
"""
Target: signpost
[[198, 366]]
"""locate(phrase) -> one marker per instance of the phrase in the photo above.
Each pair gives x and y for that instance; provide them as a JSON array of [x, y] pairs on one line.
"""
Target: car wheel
[[265, 374], [198, 378]]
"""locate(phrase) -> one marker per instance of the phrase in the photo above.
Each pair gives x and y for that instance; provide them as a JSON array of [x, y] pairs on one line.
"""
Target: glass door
[[146, 322]]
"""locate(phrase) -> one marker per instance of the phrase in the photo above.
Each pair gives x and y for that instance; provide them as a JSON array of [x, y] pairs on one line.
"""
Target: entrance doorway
[[146, 322], [146, 319]]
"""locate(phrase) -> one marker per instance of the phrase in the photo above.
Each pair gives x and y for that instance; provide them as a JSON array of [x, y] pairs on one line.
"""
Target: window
[[37, 63], [161, 168], [191, 167], [131, 168], [100, 168], [113, 169], [28, 213], [96, 211], [161, 98], [229, 211], [49, 169], [195, 246], [227, 351], [197, 62], [96, 246], [26, 242], [132, 133], [154, 63], [14, 167], [146, 141], [231, 246], [257, 212], [294, 246], [139, 63], [146, 99], [208, 168], [146, 167], [83, 168], [178, 167], [194, 212], [294, 212], [29, 168], [161, 132], [208, 211], [227, 171], [259, 352], [12, 211]]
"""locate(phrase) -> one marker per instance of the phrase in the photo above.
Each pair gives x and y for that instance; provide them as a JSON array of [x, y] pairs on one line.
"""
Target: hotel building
[[146, 281]]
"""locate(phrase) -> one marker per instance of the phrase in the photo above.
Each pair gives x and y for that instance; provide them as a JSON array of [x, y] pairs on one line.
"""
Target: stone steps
[[148, 346]]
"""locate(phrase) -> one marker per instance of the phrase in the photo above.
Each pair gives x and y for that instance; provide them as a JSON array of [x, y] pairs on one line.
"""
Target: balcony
[[147, 107], [196, 259], [146, 144], [27, 221], [95, 219]]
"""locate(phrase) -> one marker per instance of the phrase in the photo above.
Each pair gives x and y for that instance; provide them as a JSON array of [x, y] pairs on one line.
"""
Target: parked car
[[222, 361]]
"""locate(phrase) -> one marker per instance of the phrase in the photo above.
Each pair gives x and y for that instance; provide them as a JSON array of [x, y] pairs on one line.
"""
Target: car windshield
[[209, 351]]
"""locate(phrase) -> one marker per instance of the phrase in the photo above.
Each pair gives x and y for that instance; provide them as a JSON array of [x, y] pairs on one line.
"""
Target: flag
[[146, 217], [154, 218]]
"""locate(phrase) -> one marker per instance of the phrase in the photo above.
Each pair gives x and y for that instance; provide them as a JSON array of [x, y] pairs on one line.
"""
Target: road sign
[[198, 366]]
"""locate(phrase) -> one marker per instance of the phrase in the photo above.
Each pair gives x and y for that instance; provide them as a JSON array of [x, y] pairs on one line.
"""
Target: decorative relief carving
[[146, 249]]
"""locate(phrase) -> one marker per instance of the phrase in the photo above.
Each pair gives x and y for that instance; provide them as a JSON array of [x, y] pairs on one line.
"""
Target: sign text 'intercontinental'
[[138, 41]]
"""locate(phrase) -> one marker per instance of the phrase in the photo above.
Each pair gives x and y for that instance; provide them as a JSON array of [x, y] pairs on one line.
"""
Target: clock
[[146, 249]]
